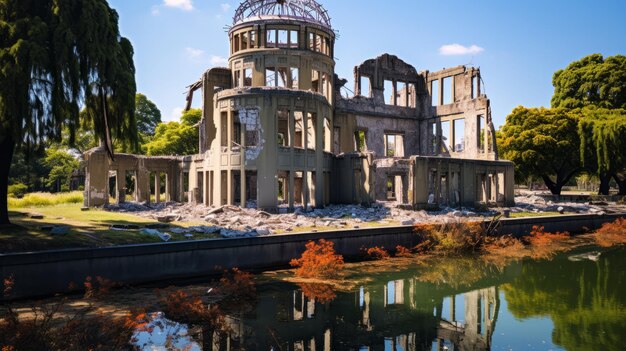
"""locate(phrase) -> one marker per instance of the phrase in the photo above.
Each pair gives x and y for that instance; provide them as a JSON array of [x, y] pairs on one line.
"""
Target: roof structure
[[304, 10]]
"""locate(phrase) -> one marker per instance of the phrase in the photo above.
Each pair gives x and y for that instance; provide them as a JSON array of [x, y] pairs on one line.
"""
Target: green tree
[[543, 143], [603, 144], [56, 56], [593, 80], [60, 164], [147, 114], [176, 138]]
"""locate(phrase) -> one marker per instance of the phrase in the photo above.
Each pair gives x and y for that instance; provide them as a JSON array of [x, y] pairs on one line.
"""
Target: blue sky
[[518, 44]]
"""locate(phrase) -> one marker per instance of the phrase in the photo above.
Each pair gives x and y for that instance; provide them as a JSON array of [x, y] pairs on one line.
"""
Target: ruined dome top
[[304, 10]]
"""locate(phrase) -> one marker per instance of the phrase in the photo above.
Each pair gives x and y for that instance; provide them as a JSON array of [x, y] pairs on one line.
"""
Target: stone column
[[120, 194], [157, 187]]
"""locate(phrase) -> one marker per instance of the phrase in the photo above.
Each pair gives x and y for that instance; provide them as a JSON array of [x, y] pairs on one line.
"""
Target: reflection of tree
[[322, 293], [454, 272], [585, 300]]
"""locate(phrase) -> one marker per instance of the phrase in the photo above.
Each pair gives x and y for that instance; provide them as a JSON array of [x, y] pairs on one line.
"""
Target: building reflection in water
[[398, 315]]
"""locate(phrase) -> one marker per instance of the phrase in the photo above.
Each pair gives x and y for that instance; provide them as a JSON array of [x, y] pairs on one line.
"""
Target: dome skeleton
[[307, 10]]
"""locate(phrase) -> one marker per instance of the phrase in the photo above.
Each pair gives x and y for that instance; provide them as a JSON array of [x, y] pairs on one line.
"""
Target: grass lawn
[[87, 229], [534, 214]]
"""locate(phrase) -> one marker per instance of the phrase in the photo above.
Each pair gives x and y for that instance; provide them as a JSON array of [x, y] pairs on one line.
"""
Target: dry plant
[[322, 293], [544, 244], [319, 260], [611, 234], [376, 253], [48, 326], [454, 237], [402, 251]]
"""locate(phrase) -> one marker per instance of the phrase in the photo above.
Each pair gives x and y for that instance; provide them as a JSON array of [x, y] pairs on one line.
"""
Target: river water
[[576, 301]]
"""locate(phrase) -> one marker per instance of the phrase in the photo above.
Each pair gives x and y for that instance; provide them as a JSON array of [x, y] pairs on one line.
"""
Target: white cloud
[[457, 49], [194, 53], [225, 7], [176, 113], [185, 5], [219, 61]]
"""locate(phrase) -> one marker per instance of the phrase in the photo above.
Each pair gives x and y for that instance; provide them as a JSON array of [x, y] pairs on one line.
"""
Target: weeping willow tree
[[603, 145], [56, 57]]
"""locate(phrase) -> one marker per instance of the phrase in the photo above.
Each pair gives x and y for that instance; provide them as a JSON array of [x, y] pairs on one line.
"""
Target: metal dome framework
[[307, 10]]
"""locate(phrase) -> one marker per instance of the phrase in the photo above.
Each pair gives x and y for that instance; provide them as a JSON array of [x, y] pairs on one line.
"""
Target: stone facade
[[276, 131]]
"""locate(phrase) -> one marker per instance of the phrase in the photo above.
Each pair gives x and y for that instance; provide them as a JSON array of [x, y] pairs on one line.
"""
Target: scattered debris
[[154, 232]]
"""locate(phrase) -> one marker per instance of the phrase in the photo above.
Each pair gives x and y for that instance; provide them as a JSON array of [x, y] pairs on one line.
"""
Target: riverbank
[[49, 272], [53, 227]]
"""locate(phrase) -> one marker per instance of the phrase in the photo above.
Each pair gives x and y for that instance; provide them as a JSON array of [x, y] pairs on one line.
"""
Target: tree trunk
[[555, 188], [621, 183], [7, 146], [605, 186]]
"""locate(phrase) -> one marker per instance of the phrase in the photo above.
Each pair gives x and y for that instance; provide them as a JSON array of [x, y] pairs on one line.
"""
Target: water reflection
[[400, 314], [585, 300]]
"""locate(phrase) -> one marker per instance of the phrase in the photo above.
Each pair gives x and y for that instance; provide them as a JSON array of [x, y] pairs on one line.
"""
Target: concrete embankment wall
[[49, 272]]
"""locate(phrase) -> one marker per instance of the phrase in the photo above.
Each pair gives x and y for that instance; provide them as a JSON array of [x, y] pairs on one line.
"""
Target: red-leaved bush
[[319, 260]]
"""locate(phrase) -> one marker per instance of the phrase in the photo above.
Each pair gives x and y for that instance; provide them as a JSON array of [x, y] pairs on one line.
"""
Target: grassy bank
[[87, 228], [45, 199]]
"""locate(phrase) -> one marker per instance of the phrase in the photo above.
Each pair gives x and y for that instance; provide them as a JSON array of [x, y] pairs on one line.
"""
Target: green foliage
[[46, 199], [18, 190], [176, 138], [57, 56], [61, 164], [593, 80], [603, 139], [147, 114], [543, 143]]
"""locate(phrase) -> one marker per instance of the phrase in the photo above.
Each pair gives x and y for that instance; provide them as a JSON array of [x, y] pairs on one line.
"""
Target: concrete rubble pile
[[236, 222]]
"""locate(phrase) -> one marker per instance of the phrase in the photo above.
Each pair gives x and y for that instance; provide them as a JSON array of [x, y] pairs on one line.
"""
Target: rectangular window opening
[[446, 84], [390, 145], [446, 138], [247, 77], [366, 86], [391, 188], [459, 135], [480, 127], [253, 39], [293, 39], [434, 92], [271, 38], [402, 94], [270, 77], [283, 38], [236, 40], [411, 95], [388, 92], [359, 140], [244, 41]]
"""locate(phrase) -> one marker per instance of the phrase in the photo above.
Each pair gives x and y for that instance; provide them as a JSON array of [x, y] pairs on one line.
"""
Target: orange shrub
[[402, 251], [376, 253], [319, 260], [539, 237], [611, 234], [545, 244]]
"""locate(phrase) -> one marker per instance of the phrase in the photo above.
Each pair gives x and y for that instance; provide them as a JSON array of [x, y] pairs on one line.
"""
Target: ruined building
[[277, 132]]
